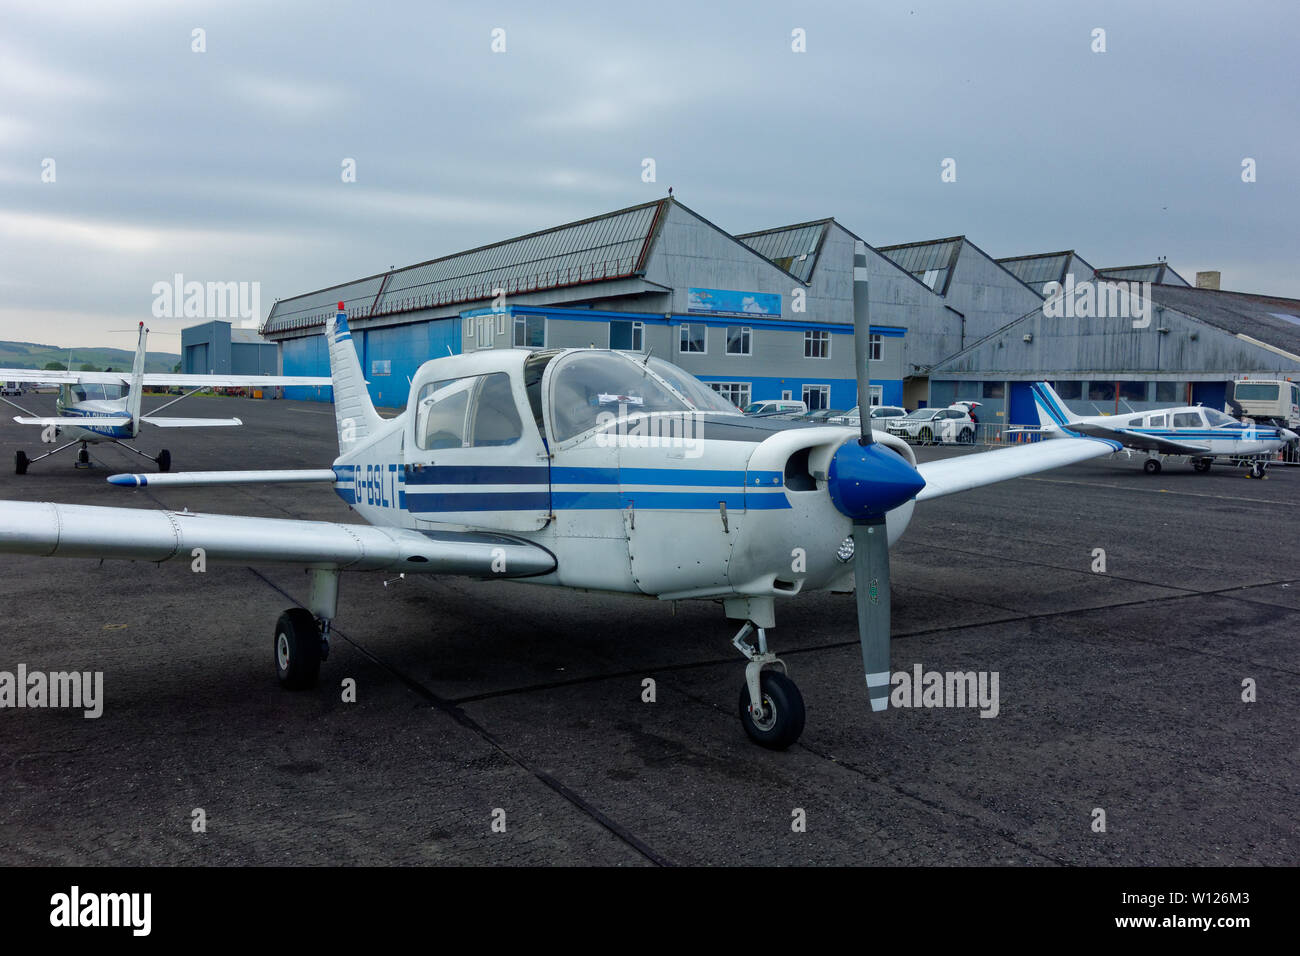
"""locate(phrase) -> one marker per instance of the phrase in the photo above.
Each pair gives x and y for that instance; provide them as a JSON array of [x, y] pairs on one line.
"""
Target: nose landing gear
[[771, 707]]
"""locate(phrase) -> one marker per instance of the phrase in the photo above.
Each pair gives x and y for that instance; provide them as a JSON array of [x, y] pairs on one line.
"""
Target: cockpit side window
[[1187, 420], [467, 413], [1157, 421]]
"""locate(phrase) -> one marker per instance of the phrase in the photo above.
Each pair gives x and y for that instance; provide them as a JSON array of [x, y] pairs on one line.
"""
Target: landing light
[[845, 551]]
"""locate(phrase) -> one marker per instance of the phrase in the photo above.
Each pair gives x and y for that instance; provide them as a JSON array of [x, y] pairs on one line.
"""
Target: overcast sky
[[225, 165]]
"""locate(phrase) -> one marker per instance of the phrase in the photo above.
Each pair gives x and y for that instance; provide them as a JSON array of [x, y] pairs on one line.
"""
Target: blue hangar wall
[[391, 355]]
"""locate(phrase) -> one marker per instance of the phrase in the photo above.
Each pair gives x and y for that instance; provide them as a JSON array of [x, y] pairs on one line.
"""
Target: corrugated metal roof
[[1237, 312], [1160, 272], [593, 250], [931, 261], [792, 248]]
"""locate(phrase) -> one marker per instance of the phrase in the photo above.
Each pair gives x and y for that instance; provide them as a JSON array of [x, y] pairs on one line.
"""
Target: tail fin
[[136, 392], [1053, 415], [354, 413]]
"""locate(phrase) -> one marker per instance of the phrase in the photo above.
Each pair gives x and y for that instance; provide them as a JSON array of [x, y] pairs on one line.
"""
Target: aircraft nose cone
[[1289, 436], [869, 480]]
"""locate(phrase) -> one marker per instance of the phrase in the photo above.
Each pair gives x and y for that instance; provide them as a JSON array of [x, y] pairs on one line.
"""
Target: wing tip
[[129, 481]]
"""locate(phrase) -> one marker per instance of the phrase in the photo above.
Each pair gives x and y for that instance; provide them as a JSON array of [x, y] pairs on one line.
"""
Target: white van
[[1274, 401], [11, 388]]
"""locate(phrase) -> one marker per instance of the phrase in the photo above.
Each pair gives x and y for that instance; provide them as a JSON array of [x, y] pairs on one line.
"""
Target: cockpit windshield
[[587, 388], [692, 389], [1217, 419]]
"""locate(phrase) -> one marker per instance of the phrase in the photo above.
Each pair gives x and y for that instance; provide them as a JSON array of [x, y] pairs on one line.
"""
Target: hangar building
[[217, 348], [763, 315]]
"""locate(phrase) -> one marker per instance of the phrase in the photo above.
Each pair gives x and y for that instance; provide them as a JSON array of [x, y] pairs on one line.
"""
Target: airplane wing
[[189, 422], [952, 475], [192, 479], [51, 377], [234, 381], [84, 531], [80, 421], [1137, 440]]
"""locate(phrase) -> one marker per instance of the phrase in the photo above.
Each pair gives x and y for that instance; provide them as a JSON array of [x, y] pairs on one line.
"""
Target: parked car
[[881, 416], [937, 425], [11, 388], [823, 416], [775, 406]]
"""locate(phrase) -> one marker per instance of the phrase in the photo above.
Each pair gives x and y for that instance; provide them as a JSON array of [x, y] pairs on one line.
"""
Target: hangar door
[[1022, 409], [196, 359], [1210, 394]]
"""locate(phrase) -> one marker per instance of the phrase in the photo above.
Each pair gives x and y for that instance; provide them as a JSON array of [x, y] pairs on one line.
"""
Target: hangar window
[[740, 340], [1101, 391], [816, 344], [467, 413], [876, 345], [693, 339], [1069, 390], [530, 331], [735, 392], [627, 336], [994, 390], [1166, 391], [1133, 391], [817, 397]]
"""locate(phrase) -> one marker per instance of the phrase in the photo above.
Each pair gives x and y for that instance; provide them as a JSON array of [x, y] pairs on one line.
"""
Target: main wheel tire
[[20, 463], [83, 457], [785, 714], [1202, 465], [926, 436], [1151, 466], [164, 460], [297, 649]]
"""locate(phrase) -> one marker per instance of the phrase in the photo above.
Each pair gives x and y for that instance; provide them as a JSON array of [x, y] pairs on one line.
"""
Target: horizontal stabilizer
[[985, 468], [84, 531], [193, 479], [190, 422], [81, 421]]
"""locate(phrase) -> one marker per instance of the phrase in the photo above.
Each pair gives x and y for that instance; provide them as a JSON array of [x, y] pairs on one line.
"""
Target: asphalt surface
[[1119, 691]]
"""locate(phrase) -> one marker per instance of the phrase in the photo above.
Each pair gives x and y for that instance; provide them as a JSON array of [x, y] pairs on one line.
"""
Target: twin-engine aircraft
[[588, 469], [1188, 431], [98, 407]]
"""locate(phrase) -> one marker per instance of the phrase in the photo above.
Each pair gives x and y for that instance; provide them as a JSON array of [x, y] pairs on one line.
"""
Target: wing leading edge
[[952, 475], [85, 531]]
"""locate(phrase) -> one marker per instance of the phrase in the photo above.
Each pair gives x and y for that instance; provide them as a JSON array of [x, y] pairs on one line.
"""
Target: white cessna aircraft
[[579, 468], [105, 406], [1191, 431]]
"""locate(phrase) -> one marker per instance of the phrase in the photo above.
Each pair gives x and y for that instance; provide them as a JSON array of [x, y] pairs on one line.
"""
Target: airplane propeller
[[868, 480]]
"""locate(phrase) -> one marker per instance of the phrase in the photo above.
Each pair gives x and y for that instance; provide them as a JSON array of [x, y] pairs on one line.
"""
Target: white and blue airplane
[[588, 469], [98, 407], [1188, 431]]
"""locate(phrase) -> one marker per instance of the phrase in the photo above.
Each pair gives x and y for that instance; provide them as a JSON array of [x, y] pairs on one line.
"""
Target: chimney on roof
[[1207, 280]]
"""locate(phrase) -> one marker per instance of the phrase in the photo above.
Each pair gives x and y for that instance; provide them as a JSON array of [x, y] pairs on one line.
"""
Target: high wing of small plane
[[588, 469], [105, 406], [1194, 432]]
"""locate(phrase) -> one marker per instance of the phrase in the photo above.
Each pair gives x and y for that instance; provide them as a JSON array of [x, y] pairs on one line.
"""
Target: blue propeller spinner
[[866, 481]]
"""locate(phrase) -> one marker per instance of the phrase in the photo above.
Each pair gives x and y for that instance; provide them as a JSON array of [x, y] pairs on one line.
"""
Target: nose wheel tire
[[20, 463], [1202, 464], [782, 719], [297, 649], [1151, 466], [164, 460]]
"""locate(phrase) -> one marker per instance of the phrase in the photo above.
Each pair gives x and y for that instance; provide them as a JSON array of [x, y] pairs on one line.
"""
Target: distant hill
[[29, 355]]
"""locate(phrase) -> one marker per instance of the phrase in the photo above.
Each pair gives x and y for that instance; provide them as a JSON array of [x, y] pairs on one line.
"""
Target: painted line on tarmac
[[1155, 491]]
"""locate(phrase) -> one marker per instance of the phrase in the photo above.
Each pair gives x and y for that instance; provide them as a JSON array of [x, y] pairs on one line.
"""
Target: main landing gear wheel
[[781, 722], [1151, 466], [164, 460], [83, 458], [1201, 464], [20, 463], [297, 649]]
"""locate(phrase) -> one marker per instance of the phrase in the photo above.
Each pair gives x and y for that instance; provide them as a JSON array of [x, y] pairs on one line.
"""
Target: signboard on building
[[731, 302]]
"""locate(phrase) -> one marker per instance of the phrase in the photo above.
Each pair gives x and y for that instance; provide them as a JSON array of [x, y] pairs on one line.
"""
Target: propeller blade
[[862, 340], [871, 590]]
